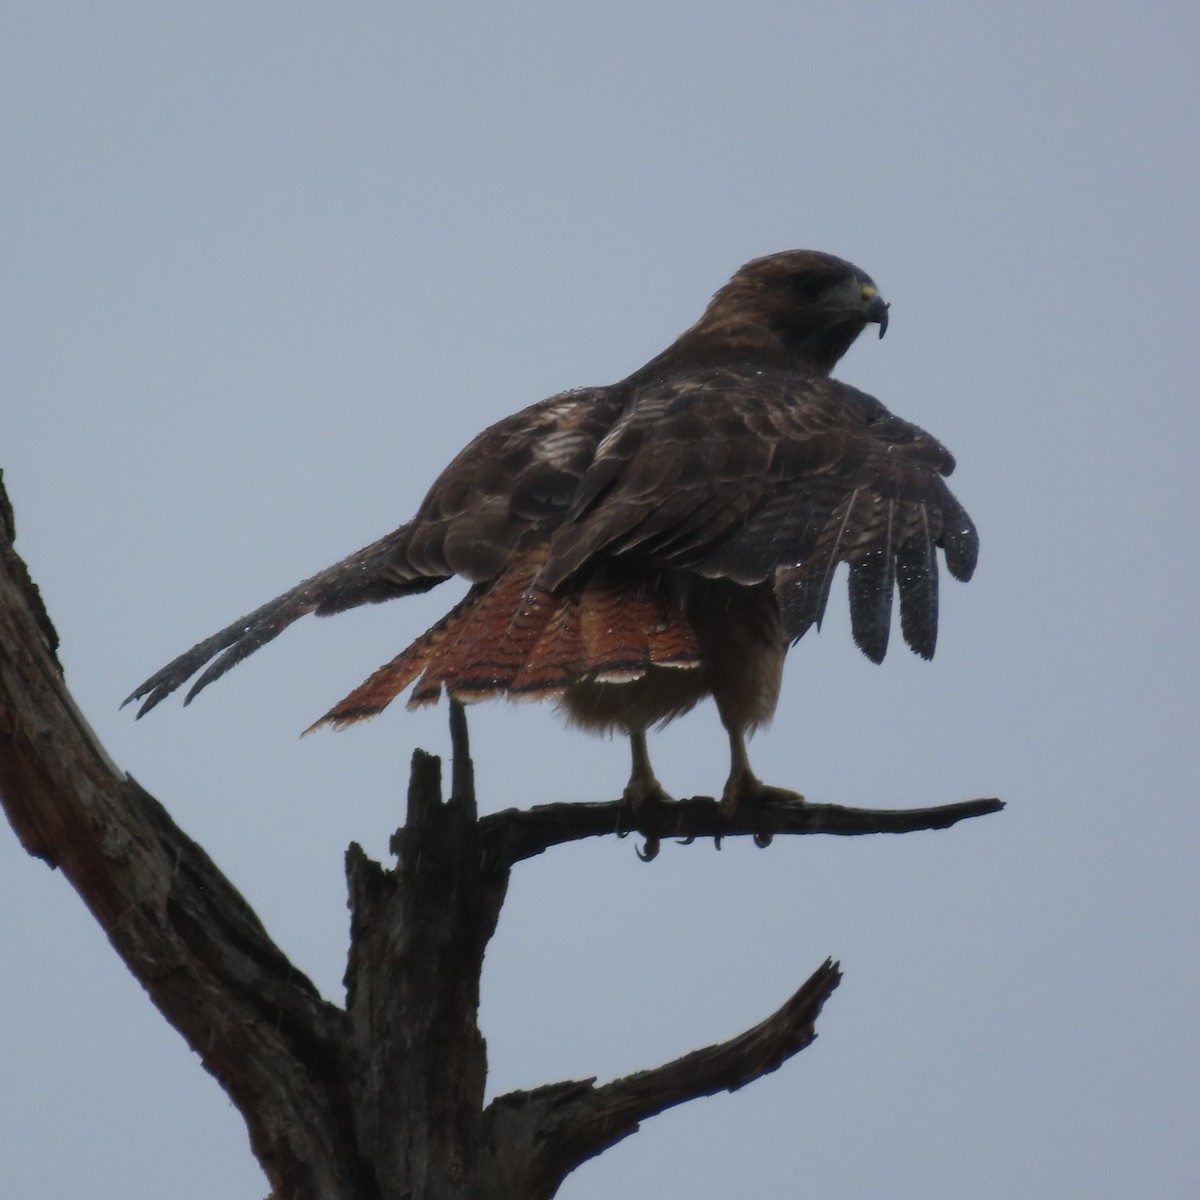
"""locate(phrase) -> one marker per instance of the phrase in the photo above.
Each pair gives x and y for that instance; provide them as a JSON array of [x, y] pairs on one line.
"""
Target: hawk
[[632, 549]]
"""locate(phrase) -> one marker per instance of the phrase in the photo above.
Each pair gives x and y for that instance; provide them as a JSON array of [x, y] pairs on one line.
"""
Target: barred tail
[[510, 637]]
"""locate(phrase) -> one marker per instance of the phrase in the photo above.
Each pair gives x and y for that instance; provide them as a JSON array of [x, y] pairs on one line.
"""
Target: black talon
[[650, 852]]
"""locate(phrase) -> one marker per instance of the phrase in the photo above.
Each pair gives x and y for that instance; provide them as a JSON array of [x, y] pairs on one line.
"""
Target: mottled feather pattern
[[557, 659], [755, 474]]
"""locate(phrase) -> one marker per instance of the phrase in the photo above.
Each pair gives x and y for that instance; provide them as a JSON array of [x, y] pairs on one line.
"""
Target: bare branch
[[542, 1135], [515, 834]]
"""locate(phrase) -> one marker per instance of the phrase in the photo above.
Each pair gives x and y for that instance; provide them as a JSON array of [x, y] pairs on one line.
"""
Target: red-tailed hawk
[[637, 547]]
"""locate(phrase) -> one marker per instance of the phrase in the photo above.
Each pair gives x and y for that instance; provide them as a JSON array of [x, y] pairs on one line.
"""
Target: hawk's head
[[803, 305]]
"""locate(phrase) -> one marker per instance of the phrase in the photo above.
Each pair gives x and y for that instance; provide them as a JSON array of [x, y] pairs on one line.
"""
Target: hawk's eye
[[808, 287]]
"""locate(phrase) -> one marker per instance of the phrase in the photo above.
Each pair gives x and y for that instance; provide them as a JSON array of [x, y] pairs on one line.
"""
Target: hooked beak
[[876, 309]]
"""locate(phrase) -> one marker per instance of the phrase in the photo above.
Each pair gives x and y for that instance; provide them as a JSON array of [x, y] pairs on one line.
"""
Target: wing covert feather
[[752, 474]]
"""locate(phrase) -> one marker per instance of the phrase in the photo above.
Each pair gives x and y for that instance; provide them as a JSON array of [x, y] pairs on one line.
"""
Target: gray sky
[[267, 267]]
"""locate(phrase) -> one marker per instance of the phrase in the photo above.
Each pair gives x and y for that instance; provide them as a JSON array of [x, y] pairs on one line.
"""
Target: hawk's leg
[[643, 785], [743, 786]]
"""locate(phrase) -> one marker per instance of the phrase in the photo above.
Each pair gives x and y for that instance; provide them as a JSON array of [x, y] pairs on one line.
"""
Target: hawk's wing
[[751, 474], [504, 488]]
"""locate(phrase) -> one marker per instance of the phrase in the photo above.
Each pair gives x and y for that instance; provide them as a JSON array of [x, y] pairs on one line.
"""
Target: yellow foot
[[748, 791], [645, 791], [640, 791]]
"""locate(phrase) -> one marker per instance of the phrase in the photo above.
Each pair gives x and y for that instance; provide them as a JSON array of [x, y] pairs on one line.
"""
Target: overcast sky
[[266, 267]]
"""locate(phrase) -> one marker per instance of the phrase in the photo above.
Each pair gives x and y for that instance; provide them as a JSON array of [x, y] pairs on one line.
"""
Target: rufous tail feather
[[511, 637]]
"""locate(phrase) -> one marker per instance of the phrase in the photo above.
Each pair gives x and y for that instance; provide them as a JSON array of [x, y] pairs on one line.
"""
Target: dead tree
[[383, 1098]]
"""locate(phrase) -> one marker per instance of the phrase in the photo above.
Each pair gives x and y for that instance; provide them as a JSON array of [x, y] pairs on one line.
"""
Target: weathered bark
[[257, 1022], [418, 936], [383, 1099]]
